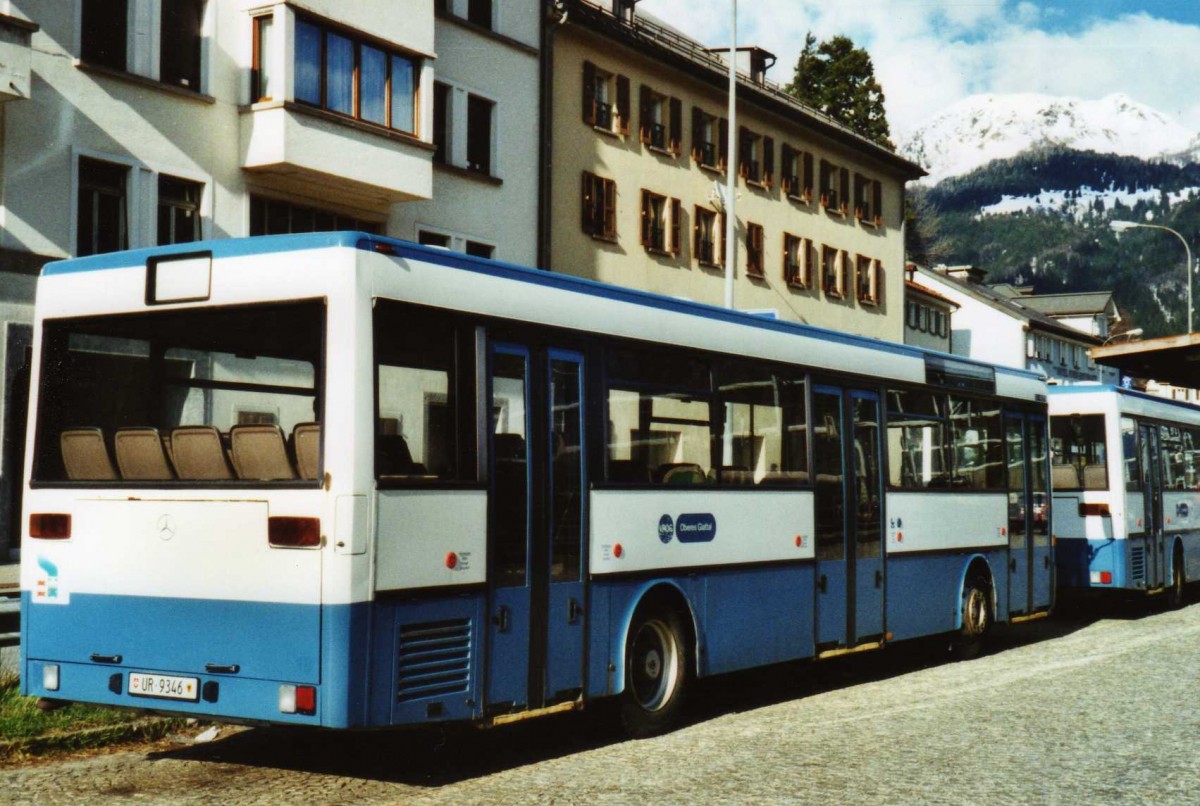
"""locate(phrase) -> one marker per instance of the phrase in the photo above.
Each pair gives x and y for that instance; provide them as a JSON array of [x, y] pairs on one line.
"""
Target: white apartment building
[[131, 123]]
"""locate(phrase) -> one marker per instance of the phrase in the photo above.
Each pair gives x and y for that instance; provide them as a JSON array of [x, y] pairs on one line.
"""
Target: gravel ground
[[1101, 711]]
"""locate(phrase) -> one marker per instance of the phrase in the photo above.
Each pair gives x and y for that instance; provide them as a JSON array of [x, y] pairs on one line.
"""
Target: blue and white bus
[[1126, 479], [341, 480]]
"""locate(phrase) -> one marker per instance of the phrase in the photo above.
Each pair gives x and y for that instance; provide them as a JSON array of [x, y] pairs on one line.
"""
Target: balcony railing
[[658, 136], [604, 115]]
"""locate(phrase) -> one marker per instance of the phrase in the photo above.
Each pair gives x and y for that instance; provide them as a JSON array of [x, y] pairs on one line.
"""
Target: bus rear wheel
[[656, 673], [976, 620]]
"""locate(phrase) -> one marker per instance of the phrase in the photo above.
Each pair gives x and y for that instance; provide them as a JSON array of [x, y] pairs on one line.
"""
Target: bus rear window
[[179, 397], [1078, 458]]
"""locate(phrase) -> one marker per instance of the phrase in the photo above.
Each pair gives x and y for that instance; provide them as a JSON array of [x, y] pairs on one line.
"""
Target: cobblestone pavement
[[1061, 712]]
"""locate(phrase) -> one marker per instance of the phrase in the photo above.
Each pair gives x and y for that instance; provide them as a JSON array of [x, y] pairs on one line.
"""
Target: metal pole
[[731, 163], [1191, 321]]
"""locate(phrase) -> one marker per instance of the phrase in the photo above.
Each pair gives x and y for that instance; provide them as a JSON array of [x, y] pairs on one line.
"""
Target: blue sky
[[929, 54]]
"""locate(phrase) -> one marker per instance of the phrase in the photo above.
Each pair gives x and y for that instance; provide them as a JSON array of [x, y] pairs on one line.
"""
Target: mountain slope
[[983, 128]]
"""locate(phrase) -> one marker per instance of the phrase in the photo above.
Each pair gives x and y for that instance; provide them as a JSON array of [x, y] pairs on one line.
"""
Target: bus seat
[[306, 447], [259, 453], [680, 473], [85, 456], [1064, 477], [140, 455], [509, 447], [1095, 477], [627, 471], [199, 454], [736, 474]]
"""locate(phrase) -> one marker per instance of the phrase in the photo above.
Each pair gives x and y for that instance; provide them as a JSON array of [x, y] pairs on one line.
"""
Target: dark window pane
[[178, 210], [480, 249], [373, 86], [441, 108], [479, 134], [308, 62], [339, 74], [101, 209], [566, 475], [480, 12], [104, 32], [433, 239], [510, 447], [180, 45], [404, 95]]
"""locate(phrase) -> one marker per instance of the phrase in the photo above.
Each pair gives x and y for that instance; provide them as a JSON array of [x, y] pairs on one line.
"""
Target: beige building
[[638, 148]]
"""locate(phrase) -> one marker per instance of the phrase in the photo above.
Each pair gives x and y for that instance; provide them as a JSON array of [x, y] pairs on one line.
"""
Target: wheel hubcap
[[654, 665]]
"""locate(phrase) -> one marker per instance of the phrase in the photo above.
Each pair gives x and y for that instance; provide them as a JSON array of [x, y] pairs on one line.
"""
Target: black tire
[[976, 620], [657, 672], [1175, 590]]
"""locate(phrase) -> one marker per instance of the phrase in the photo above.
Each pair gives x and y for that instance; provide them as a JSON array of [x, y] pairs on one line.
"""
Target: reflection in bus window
[[978, 457], [765, 429], [917, 455], [1129, 454]]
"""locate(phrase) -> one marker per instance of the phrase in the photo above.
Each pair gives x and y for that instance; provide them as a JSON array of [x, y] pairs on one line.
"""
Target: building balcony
[[300, 150]]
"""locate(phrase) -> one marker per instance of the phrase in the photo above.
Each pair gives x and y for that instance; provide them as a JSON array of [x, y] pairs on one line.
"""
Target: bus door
[[536, 527], [1151, 478], [1042, 571], [849, 517], [1020, 517]]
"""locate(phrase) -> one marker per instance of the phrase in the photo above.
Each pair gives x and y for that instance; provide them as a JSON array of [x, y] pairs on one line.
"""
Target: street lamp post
[[1121, 226]]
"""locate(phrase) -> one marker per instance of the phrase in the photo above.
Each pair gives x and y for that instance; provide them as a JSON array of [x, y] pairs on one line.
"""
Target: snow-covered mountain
[[982, 128]]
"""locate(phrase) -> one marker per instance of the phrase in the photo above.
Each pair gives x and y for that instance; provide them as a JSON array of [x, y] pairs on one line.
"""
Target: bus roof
[[1147, 401], [272, 244]]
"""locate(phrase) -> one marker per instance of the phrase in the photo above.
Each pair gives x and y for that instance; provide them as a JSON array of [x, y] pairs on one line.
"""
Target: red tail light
[[294, 532], [50, 526]]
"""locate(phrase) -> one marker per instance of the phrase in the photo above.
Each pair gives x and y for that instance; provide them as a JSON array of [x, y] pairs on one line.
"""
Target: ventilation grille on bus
[[435, 659], [1137, 563]]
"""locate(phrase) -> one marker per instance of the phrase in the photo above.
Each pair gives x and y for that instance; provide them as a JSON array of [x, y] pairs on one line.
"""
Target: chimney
[[752, 61], [967, 274], [623, 10]]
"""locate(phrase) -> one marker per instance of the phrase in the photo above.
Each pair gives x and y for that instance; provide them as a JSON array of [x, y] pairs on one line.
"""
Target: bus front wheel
[[656, 673], [1175, 592], [976, 620]]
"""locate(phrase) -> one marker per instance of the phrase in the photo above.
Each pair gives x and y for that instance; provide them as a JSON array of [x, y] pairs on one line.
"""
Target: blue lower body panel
[[924, 591]]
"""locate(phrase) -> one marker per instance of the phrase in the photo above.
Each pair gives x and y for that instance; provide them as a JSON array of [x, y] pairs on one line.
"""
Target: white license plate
[[164, 686]]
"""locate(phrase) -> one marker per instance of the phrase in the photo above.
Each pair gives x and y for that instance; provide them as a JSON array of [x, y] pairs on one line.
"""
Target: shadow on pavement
[[438, 756]]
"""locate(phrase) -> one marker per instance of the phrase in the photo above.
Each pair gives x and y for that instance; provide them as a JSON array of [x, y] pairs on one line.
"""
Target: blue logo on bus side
[[666, 528], [696, 527]]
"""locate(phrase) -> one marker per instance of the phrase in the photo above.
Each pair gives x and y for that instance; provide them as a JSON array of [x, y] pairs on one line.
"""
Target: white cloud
[[930, 53]]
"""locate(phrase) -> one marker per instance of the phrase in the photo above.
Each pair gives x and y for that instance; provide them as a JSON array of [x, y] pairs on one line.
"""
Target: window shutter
[[644, 113], [877, 203], [676, 226], [719, 241], [768, 175], [845, 194], [785, 182], [723, 144], [623, 103], [676, 131], [807, 258], [645, 217], [743, 151], [877, 285], [843, 258], [807, 190], [589, 93], [859, 195], [697, 133], [587, 204], [610, 208], [696, 235]]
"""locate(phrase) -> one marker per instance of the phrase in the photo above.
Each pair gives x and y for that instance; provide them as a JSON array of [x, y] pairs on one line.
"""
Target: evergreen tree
[[838, 79]]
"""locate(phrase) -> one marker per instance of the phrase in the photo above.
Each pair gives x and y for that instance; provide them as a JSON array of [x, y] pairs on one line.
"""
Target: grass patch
[[21, 719]]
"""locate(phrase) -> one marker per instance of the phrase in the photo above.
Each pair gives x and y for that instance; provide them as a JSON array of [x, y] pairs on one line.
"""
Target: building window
[[710, 139], [352, 78], [754, 250], [439, 239], [104, 37], [835, 188], [441, 122], [479, 134], [661, 121], [910, 309], [599, 206], [756, 157], [797, 175], [661, 218], [455, 242], [605, 99], [179, 45], [479, 12], [262, 79], [833, 271], [708, 228], [798, 260], [275, 217], [867, 280], [868, 200], [178, 210], [102, 224], [477, 249]]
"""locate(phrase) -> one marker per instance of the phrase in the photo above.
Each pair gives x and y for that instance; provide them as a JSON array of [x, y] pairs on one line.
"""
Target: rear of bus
[[1088, 483], [176, 506]]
